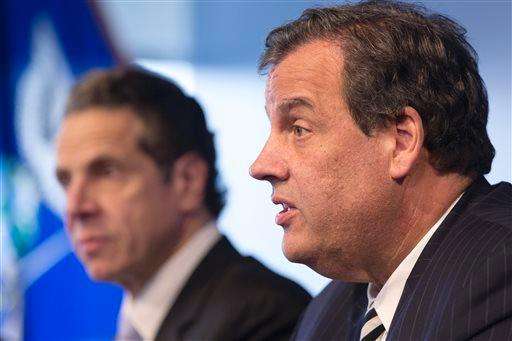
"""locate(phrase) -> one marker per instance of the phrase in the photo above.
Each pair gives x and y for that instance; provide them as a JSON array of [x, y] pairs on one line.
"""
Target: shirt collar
[[147, 310], [387, 299]]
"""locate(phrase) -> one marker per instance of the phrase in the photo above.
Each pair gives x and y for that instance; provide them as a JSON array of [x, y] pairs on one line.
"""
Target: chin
[[99, 276], [323, 263], [99, 273], [339, 270], [298, 252]]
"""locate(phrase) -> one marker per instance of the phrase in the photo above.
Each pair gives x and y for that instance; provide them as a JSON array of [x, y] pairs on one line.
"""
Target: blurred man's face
[[121, 214], [328, 175]]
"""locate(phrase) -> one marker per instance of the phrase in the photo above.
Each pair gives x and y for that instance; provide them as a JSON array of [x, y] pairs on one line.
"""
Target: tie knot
[[372, 327], [370, 314]]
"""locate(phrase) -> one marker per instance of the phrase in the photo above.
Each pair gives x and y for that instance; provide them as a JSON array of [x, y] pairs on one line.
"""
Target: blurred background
[[211, 49]]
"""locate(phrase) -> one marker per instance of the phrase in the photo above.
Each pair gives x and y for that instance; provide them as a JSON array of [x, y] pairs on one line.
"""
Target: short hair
[[396, 55], [175, 122]]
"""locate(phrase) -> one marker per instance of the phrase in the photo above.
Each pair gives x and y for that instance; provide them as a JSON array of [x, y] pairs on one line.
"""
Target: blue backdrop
[[44, 46]]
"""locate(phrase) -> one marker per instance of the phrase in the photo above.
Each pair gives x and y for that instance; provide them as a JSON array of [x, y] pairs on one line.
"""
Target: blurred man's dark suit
[[460, 288], [230, 297]]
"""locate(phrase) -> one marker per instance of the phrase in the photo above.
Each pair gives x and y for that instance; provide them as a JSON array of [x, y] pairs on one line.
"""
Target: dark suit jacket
[[230, 297], [459, 289]]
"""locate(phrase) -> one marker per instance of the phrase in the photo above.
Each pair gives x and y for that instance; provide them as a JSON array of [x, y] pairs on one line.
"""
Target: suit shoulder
[[475, 236], [336, 308], [334, 295], [479, 225], [252, 277], [234, 275], [494, 206], [230, 297], [260, 303], [330, 293]]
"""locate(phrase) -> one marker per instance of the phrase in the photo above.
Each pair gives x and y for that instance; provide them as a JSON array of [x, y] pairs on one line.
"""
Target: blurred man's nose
[[80, 203], [270, 164]]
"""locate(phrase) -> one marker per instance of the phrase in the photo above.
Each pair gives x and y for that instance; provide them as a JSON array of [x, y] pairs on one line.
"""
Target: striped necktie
[[372, 327]]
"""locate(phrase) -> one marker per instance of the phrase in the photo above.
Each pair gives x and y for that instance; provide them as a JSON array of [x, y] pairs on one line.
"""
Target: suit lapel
[[360, 303], [336, 313], [196, 291], [420, 288]]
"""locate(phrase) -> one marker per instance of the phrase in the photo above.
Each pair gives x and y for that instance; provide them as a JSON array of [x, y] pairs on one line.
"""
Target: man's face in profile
[[121, 213], [324, 170]]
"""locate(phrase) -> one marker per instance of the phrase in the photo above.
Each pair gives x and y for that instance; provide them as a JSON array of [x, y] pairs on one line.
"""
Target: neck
[[422, 204], [188, 226]]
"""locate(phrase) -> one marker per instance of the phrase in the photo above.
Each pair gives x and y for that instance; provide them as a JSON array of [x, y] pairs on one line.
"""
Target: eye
[[63, 178], [103, 168], [299, 131]]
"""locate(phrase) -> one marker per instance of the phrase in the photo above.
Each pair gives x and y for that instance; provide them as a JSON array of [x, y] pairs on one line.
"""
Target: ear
[[408, 137], [189, 177]]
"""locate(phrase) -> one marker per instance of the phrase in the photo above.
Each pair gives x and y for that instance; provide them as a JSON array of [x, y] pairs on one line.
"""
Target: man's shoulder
[[230, 297], [225, 273], [461, 275], [333, 313], [477, 230], [247, 276], [493, 205], [243, 299], [333, 296], [482, 227], [335, 291]]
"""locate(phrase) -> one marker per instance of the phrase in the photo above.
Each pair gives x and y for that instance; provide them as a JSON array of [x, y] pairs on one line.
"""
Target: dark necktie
[[372, 327]]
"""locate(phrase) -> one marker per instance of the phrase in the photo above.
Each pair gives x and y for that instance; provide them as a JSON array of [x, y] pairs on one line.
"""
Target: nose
[[270, 164], [80, 204]]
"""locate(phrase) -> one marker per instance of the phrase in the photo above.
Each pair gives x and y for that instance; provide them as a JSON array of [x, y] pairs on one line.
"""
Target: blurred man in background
[[137, 163], [377, 151]]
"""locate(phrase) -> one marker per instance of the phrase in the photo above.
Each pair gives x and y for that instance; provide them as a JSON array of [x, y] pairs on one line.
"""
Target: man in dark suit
[[377, 151], [137, 163]]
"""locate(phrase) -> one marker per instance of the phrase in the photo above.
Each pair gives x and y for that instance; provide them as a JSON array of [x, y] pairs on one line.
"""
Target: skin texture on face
[[333, 178], [122, 217]]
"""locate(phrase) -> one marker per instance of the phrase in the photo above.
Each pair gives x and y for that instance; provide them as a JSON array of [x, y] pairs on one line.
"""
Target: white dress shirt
[[146, 311], [386, 300]]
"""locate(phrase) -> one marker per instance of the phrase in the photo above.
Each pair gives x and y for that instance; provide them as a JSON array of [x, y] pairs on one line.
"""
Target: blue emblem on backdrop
[[46, 295]]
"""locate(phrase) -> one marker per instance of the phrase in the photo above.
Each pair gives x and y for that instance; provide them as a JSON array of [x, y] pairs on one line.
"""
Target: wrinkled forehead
[[311, 72], [317, 64]]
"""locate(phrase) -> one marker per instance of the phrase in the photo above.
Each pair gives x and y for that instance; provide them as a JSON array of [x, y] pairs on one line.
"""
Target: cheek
[[334, 182], [140, 198], [317, 191], [129, 212], [147, 214]]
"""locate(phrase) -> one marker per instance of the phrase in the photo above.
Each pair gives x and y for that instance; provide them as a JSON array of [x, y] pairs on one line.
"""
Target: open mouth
[[284, 217], [285, 207]]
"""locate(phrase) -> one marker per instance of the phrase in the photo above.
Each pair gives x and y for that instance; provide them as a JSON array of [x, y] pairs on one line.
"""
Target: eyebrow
[[101, 161], [288, 104], [95, 164]]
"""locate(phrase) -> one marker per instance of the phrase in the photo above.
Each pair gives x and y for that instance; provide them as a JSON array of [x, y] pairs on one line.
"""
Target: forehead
[[88, 133], [309, 69]]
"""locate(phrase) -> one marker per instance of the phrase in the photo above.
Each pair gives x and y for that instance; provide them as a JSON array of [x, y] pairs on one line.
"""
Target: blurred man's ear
[[408, 136], [189, 175]]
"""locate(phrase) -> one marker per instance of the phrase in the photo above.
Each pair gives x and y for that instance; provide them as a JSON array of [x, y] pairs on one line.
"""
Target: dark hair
[[175, 122], [397, 55]]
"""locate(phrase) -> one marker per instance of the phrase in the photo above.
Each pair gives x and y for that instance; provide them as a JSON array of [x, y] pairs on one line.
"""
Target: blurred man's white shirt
[[146, 312]]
